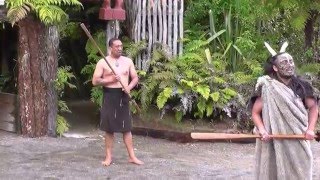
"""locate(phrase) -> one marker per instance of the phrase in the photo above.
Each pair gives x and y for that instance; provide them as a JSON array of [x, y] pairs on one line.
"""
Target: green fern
[[132, 50], [62, 125], [299, 20], [97, 95], [63, 79], [163, 97], [64, 76], [63, 107], [215, 96], [48, 11], [92, 51], [189, 83], [204, 90]]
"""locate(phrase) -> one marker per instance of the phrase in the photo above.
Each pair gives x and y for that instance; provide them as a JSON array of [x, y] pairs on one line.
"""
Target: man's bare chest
[[121, 69]]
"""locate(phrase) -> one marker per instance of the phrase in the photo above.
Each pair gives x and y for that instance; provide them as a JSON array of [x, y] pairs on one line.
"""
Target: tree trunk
[[308, 29], [37, 65], [49, 68]]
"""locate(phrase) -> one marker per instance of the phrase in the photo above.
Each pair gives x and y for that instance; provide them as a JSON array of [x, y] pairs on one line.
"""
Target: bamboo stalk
[[164, 18], [181, 27], [160, 21], [144, 13], [144, 27], [138, 31], [154, 22], [131, 15], [170, 25], [150, 41], [175, 27]]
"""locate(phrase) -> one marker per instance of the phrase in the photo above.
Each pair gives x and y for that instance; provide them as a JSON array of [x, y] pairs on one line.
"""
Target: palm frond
[[48, 11], [50, 14], [18, 13]]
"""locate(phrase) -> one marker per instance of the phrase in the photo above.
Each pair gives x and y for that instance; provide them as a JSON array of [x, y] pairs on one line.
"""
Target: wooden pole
[[150, 40], [175, 27], [165, 24], [181, 27], [221, 136], [160, 21], [170, 25]]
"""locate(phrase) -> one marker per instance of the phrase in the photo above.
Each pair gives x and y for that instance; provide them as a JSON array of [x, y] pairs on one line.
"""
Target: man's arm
[[133, 75], [257, 119], [97, 79], [312, 105]]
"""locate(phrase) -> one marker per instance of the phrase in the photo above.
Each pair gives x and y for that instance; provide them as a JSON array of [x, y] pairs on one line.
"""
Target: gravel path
[[74, 158]]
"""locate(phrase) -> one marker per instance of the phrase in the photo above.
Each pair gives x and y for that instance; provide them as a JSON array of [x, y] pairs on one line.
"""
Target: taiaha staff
[[225, 136], [102, 54]]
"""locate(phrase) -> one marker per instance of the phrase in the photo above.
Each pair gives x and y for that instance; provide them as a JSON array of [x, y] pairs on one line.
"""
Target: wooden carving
[[116, 13]]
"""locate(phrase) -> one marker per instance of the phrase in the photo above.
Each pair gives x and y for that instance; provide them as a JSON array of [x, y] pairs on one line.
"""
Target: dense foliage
[[223, 55], [48, 11]]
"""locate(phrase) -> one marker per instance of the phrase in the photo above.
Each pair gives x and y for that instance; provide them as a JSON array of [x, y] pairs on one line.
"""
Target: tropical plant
[[64, 76], [48, 11], [191, 84]]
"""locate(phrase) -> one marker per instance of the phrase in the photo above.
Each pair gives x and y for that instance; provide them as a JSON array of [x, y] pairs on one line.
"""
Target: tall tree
[[37, 61], [303, 16]]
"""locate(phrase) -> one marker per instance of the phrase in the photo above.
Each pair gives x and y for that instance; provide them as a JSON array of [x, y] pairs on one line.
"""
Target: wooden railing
[[8, 112]]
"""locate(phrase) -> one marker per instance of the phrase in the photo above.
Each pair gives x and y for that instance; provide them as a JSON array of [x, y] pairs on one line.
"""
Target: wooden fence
[[156, 21], [8, 104]]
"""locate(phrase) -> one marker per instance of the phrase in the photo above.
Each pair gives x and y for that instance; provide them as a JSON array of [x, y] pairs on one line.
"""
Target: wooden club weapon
[[225, 136], [102, 54]]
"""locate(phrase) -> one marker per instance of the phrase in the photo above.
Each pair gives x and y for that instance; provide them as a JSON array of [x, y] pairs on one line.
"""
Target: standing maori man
[[115, 112], [283, 104]]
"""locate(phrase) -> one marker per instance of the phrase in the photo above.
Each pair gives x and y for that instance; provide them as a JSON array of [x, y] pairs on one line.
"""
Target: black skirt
[[115, 112]]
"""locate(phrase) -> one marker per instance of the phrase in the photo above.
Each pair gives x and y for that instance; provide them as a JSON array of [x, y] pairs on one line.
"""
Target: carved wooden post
[[106, 12], [112, 15], [116, 13]]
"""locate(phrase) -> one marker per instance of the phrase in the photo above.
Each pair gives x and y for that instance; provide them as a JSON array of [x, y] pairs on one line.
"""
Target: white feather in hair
[[273, 52], [284, 47]]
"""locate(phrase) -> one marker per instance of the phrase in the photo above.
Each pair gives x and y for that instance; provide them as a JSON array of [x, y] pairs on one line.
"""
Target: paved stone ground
[[79, 158]]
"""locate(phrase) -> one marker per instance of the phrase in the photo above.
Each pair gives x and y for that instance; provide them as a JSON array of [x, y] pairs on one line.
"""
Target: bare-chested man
[[115, 112]]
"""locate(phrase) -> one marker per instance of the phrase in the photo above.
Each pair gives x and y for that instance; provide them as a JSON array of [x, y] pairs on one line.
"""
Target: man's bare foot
[[106, 162], [135, 161]]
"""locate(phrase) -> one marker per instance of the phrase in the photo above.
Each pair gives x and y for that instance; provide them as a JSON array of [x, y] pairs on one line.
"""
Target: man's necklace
[[116, 64]]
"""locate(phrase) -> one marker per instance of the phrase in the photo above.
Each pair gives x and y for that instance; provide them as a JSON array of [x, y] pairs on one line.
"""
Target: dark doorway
[[8, 57]]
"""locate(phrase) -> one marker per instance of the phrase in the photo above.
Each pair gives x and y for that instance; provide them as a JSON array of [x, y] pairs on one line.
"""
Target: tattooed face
[[285, 65]]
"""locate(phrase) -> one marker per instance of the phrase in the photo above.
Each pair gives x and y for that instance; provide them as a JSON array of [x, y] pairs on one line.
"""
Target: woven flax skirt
[[115, 112]]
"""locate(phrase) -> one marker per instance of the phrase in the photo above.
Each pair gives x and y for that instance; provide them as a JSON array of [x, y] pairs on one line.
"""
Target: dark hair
[[112, 40], [268, 66], [297, 84]]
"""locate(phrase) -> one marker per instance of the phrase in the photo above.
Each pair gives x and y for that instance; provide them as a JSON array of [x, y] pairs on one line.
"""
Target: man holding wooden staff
[[283, 104], [114, 73]]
